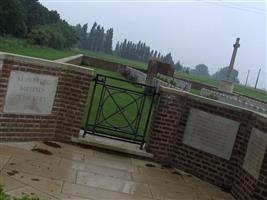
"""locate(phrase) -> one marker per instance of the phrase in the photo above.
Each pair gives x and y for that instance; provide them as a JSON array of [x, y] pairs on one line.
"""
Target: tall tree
[[200, 70], [168, 59], [178, 66], [12, 18], [108, 41]]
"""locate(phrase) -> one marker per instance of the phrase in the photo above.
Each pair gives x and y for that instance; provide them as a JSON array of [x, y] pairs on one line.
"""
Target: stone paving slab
[[69, 172], [111, 144]]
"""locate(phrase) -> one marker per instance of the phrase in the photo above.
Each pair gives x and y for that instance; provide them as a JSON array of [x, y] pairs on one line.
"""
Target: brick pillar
[[164, 126]]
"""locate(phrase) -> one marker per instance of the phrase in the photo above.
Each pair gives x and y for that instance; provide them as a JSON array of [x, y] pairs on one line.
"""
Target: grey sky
[[194, 32]]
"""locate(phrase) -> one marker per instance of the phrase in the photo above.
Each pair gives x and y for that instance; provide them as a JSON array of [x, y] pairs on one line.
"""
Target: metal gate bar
[[99, 124]]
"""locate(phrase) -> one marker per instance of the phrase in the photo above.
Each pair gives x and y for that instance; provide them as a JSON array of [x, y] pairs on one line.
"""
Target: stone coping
[[69, 58], [44, 62], [212, 101]]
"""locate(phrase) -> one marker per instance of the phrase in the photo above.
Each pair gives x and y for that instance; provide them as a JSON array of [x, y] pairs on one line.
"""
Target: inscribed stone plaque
[[30, 93], [255, 152], [210, 133]]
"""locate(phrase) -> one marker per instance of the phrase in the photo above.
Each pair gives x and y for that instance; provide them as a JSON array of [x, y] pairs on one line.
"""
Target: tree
[[168, 59], [108, 41], [90, 42], [200, 70], [12, 18], [58, 35], [220, 75], [178, 66]]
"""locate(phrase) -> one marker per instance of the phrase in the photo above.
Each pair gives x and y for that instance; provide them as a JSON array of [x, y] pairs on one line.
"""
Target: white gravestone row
[[236, 100], [216, 135], [140, 76], [174, 83], [30, 93]]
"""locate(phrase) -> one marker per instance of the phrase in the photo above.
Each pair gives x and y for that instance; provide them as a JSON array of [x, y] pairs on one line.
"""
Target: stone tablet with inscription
[[255, 152], [210, 133], [30, 93]]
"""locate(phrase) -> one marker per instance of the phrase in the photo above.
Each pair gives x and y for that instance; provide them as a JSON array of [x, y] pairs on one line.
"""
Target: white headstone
[[210, 133], [30, 93], [255, 152]]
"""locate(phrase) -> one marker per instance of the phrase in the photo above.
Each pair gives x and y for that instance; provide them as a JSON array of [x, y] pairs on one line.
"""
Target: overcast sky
[[193, 31]]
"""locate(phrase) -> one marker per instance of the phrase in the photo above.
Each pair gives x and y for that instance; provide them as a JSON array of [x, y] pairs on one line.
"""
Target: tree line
[[140, 52], [97, 39], [203, 70], [31, 20]]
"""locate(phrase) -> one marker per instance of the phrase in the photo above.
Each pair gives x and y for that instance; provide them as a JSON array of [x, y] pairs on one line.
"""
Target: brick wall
[[167, 131], [68, 107], [103, 64]]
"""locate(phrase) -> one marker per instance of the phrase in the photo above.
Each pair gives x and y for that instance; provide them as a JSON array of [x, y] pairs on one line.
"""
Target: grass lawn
[[22, 47], [122, 99], [255, 93], [199, 79]]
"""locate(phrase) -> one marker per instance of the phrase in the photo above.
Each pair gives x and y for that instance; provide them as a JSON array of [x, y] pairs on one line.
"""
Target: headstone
[[30, 93], [154, 67], [210, 133], [255, 152]]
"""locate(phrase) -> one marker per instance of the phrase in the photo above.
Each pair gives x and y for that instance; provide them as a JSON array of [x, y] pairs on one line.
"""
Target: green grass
[[109, 106], [22, 47], [198, 79], [251, 92]]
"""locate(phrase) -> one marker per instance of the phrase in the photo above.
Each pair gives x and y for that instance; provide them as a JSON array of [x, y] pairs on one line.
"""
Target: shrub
[[212, 96], [3, 196], [58, 35]]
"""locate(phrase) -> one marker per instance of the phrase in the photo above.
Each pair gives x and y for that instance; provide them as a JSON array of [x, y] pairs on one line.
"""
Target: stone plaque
[[210, 133], [30, 93], [255, 152]]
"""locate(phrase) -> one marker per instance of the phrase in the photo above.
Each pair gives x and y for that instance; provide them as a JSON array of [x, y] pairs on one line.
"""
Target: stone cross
[[231, 66]]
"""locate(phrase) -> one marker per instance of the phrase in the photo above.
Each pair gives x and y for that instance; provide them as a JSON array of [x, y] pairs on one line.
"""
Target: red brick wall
[[67, 111], [166, 135], [99, 63]]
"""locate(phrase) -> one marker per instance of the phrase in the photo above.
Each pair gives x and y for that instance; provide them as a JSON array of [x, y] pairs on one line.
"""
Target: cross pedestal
[[226, 86]]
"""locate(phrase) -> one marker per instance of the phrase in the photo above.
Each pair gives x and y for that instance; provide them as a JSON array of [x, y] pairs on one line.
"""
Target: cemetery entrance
[[119, 109]]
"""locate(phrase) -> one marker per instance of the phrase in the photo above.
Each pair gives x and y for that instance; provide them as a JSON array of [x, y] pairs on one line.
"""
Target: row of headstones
[[174, 82], [180, 85], [236, 100], [140, 77]]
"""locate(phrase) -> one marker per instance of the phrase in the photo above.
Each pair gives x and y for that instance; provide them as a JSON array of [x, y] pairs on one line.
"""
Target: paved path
[[77, 173]]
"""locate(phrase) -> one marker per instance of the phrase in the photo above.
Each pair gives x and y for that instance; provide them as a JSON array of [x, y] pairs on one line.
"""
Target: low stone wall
[[217, 142], [40, 99], [237, 100]]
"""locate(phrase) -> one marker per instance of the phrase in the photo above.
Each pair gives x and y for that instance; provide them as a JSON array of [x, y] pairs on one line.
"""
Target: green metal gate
[[120, 109]]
